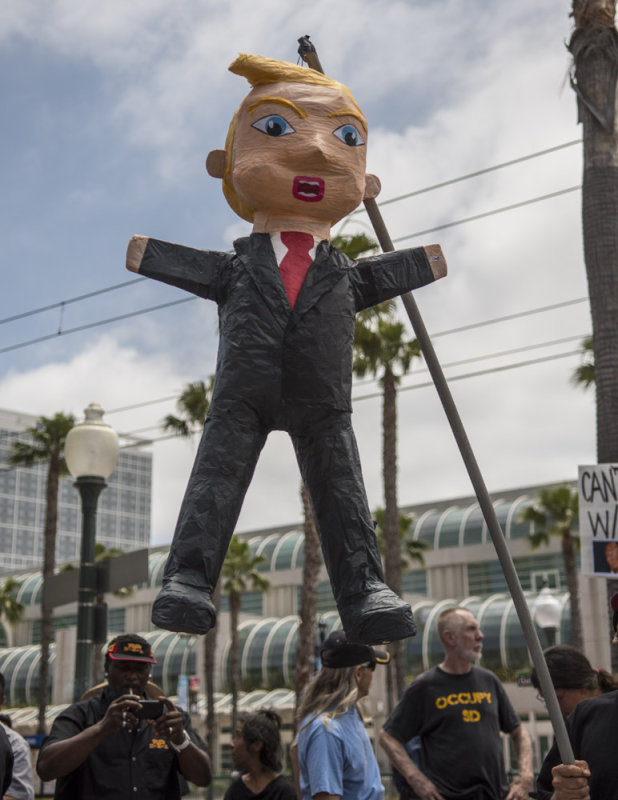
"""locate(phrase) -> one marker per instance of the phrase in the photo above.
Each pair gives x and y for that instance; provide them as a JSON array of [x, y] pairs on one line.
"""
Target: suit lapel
[[327, 270], [257, 255]]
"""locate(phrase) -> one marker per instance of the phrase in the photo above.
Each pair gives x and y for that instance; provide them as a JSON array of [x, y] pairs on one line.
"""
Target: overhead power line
[[476, 174], [449, 365], [130, 314], [96, 324], [426, 384], [537, 154], [484, 214], [77, 299]]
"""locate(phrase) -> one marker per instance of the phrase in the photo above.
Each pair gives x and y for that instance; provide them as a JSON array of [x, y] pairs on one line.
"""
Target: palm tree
[[309, 602], [594, 46], [239, 575], [584, 374], [45, 442], [382, 349], [193, 405], [554, 513]]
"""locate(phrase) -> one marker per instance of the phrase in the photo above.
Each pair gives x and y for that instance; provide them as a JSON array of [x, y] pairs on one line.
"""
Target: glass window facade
[[123, 513]]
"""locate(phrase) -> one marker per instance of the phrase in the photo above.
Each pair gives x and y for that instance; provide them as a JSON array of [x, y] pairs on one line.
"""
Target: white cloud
[[449, 88]]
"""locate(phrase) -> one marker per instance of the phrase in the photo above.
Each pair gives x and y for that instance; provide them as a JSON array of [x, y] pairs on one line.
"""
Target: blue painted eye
[[349, 135], [273, 125]]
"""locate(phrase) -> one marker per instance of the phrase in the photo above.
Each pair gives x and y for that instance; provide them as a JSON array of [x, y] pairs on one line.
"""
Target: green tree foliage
[[555, 514], [10, 608], [584, 374], [193, 405]]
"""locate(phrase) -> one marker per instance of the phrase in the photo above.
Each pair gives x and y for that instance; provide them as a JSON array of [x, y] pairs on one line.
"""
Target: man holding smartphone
[[121, 744]]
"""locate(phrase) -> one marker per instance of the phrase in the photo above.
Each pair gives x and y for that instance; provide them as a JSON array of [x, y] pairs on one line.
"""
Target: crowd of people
[[442, 738]]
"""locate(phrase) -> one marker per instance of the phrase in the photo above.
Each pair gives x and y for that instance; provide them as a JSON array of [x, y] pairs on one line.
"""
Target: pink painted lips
[[311, 190]]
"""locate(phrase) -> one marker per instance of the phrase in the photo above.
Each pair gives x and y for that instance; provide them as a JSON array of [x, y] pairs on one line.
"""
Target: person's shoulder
[[282, 789], [601, 703], [484, 674]]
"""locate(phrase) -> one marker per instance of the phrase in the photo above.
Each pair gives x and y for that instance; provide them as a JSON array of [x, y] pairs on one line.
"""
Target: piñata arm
[[387, 275], [195, 271]]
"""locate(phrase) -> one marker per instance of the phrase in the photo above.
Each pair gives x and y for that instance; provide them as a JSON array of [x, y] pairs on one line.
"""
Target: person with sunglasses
[[335, 756]]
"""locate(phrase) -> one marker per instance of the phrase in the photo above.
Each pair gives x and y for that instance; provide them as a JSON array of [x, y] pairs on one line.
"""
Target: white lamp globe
[[91, 447]]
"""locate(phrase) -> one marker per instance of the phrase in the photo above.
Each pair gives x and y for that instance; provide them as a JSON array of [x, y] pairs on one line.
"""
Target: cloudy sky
[[109, 109]]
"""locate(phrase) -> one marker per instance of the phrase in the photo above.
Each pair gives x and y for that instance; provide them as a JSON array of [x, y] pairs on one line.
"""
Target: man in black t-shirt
[[458, 709]]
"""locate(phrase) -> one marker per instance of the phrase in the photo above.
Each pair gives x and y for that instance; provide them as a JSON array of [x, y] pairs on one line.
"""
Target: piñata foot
[[377, 617], [183, 608]]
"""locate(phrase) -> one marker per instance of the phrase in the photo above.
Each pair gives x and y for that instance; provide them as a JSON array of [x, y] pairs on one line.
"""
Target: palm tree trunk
[[309, 601], [594, 46], [49, 561], [392, 536], [210, 649], [235, 601], [570, 565]]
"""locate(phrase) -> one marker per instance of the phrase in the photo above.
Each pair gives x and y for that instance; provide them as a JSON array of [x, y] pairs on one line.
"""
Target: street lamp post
[[91, 452]]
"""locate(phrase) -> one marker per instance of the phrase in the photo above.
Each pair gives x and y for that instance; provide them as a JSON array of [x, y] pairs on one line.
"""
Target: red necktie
[[295, 262]]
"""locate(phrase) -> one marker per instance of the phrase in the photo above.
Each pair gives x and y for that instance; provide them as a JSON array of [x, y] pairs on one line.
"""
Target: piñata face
[[299, 151]]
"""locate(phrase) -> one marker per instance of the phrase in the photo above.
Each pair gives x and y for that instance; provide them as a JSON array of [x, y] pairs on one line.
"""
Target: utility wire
[[77, 299], [477, 374], [472, 174], [370, 396], [458, 363], [96, 324], [130, 314], [373, 395], [488, 213], [475, 174]]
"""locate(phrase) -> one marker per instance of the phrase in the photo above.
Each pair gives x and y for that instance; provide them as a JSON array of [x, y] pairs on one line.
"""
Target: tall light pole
[[91, 452]]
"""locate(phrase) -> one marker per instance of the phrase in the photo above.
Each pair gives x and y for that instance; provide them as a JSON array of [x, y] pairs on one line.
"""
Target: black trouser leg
[[221, 474], [330, 465]]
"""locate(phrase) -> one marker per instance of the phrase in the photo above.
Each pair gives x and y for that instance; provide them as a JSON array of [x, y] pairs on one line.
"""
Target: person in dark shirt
[[458, 709], [256, 751], [102, 748], [592, 730]]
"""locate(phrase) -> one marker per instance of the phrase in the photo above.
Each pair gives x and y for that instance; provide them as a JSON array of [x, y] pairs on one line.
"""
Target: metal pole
[[90, 487], [308, 53]]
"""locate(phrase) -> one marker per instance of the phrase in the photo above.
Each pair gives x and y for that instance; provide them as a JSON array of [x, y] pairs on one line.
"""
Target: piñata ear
[[372, 187], [215, 163]]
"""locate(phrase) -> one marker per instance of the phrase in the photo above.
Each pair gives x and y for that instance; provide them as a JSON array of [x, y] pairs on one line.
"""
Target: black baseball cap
[[338, 652], [131, 651]]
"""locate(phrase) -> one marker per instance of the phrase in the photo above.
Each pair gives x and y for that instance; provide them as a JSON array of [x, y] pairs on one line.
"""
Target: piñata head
[[295, 153]]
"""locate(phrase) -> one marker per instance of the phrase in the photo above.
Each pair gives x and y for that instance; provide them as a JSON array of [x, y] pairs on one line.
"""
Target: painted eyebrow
[[281, 101], [349, 112]]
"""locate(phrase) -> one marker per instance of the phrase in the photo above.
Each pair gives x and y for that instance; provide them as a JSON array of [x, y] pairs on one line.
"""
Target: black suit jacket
[[269, 353]]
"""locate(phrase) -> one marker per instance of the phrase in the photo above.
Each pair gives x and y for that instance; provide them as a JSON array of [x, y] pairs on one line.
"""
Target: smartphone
[[149, 709]]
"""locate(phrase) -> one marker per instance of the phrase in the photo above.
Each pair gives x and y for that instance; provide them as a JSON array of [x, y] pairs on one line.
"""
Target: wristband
[[183, 745]]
